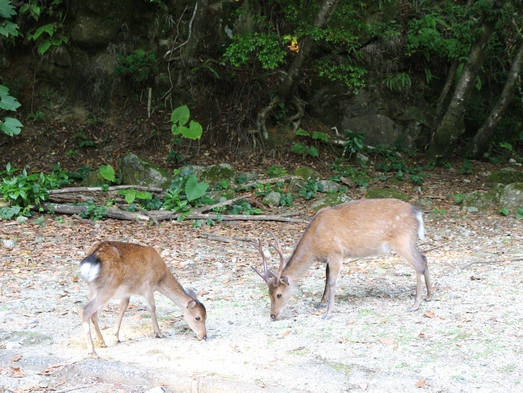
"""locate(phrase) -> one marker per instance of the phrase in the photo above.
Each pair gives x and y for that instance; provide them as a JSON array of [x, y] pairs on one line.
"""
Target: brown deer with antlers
[[354, 229]]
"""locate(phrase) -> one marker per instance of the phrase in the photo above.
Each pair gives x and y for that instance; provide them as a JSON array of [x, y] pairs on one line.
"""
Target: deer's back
[[362, 228]]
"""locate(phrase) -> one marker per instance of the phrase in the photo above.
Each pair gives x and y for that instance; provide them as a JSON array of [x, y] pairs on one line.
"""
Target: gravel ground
[[467, 339]]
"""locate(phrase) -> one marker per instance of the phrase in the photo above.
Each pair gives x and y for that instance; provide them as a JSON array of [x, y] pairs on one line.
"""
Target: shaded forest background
[[92, 80]]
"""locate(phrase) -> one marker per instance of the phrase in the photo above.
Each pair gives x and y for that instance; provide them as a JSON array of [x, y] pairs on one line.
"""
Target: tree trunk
[[288, 87], [445, 138], [197, 28], [480, 143]]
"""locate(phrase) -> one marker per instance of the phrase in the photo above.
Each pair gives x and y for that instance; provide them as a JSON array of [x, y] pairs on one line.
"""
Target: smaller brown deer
[[119, 270], [354, 229]]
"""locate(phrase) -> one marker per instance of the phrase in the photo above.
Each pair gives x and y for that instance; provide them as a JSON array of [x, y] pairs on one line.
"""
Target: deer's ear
[[191, 304], [284, 280]]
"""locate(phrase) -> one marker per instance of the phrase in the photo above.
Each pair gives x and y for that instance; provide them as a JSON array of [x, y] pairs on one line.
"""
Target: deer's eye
[[197, 318], [278, 295]]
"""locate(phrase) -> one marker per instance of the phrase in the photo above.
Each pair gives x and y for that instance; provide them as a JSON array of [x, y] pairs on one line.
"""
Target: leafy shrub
[[137, 67], [27, 191]]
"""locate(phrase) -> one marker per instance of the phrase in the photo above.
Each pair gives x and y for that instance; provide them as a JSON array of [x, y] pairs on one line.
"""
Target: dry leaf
[[16, 358], [429, 314], [387, 340], [17, 372], [420, 384], [421, 335]]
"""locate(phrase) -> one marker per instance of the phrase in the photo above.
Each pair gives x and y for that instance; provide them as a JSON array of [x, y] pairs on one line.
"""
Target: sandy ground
[[467, 339]]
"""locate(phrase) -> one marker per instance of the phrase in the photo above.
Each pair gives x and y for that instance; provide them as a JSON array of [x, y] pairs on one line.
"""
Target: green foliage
[[458, 198], [244, 207], [179, 117], [343, 169], [7, 28], [439, 212], [10, 212], [392, 161], [266, 188], [267, 48], [205, 67], [107, 172], [137, 67], [467, 167], [81, 173], [302, 148], [276, 171], [49, 30], [185, 188], [93, 211], [309, 190], [398, 82], [26, 191], [83, 141], [130, 195], [350, 75], [286, 199], [8, 125], [354, 142], [38, 115]]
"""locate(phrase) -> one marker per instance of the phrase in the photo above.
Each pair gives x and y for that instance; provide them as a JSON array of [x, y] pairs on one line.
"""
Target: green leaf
[[144, 195], [504, 211], [8, 29], [313, 151], [129, 195], [195, 189], [320, 135], [7, 102], [302, 132], [180, 115], [10, 126], [6, 10], [43, 47], [299, 148], [107, 172], [194, 131], [49, 29]]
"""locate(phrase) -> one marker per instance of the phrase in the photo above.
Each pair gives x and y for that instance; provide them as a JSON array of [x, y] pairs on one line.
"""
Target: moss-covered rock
[[506, 176], [512, 198], [378, 193], [329, 200], [307, 173], [94, 179], [137, 171], [214, 174], [272, 199], [483, 200]]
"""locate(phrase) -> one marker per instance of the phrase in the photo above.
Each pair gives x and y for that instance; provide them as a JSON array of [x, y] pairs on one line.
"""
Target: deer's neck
[[171, 288], [300, 261]]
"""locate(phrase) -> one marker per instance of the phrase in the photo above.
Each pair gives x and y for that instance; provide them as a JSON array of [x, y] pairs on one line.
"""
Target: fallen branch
[[157, 215], [98, 189], [111, 213], [269, 181], [241, 217], [226, 239]]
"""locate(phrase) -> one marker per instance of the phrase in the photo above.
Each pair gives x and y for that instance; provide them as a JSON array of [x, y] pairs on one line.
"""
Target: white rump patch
[[421, 227], [89, 271]]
